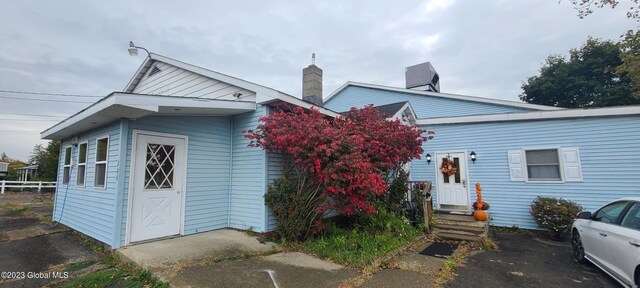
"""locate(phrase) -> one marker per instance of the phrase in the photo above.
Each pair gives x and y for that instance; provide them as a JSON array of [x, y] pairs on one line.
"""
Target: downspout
[[230, 171]]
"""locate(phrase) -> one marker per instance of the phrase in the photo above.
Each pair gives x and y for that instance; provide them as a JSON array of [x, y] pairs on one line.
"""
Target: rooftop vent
[[422, 77]]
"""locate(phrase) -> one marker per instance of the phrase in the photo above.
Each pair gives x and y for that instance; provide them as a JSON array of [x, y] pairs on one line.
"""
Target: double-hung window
[[82, 164], [102, 149], [543, 165], [67, 165]]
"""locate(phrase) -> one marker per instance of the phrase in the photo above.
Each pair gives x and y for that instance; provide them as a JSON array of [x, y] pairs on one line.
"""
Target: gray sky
[[480, 48]]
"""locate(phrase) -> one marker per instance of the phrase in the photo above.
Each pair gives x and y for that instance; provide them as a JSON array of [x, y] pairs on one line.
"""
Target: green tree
[[584, 7], [587, 79], [47, 160]]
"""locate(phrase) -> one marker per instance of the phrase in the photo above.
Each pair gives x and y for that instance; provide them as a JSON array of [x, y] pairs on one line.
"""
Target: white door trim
[[465, 175], [134, 139]]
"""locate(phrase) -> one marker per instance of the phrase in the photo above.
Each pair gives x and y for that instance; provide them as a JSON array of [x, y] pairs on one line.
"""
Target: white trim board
[[444, 95], [124, 105], [537, 115]]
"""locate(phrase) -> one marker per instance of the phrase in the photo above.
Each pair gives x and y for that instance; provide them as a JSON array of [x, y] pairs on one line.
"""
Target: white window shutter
[[571, 161], [516, 165]]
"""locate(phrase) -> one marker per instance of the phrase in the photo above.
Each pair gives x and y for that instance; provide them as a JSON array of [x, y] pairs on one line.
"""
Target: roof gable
[[516, 106], [213, 85]]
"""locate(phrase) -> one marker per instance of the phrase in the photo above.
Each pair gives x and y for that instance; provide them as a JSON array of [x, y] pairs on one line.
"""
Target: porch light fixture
[[133, 49], [473, 156], [428, 158]]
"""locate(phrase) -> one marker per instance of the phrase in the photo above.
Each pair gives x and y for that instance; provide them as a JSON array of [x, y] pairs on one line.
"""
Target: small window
[[543, 165], [82, 163], [610, 213], [632, 219], [102, 148], [67, 165]]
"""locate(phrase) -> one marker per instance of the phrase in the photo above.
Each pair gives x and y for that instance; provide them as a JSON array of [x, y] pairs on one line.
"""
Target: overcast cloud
[[480, 48]]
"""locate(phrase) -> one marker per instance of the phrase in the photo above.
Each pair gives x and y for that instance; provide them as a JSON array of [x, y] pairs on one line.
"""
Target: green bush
[[554, 213], [296, 203], [372, 236], [391, 200]]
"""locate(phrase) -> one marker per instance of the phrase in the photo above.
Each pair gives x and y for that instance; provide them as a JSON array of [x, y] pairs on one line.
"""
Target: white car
[[610, 239]]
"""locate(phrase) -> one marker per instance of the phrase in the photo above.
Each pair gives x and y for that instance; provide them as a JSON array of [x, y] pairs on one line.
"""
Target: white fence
[[26, 184]]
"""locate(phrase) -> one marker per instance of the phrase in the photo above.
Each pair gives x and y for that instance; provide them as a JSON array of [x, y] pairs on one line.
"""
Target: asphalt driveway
[[528, 261]]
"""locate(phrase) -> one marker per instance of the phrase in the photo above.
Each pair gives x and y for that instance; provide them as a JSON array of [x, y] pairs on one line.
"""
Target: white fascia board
[[148, 103], [445, 95], [102, 104], [138, 75], [537, 115]]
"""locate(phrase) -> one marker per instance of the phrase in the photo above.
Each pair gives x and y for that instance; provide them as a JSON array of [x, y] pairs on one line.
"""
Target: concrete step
[[463, 223], [466, 228], [454, 217], [459, 235]]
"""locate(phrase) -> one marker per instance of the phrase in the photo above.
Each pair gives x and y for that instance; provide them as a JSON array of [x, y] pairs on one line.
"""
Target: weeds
[[451, 265]]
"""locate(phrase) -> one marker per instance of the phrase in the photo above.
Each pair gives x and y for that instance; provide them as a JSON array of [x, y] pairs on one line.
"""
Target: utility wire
[[52, 94], [39, 115], [49, 120], [47, 100]]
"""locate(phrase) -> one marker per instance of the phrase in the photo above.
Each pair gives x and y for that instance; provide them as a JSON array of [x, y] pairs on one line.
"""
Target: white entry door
[[159, 170], [453, 193]]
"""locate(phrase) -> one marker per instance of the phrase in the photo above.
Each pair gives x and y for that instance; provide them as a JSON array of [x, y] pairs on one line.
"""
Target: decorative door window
[[159, 167], [447, 175]]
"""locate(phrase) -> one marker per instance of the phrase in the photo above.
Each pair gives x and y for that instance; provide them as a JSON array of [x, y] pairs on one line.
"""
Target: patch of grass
[[73, 267], [448, 270], [103, 278], [17, 209], [487, 244], [360, 245], [512, 229]]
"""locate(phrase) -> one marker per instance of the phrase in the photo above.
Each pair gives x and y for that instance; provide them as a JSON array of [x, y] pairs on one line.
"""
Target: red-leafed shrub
[[346, 155]]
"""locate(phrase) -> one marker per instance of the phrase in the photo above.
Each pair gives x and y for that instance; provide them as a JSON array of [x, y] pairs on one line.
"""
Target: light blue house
[[167, 156], [521, 151]]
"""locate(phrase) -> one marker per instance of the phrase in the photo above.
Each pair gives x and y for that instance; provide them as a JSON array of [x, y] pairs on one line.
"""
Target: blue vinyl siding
[[424, 106], [609, 154], [209, 150], [87, 209], [274, 171], [248, 179]]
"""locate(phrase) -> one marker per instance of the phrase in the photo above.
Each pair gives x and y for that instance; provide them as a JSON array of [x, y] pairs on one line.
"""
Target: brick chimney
[[312, 83]]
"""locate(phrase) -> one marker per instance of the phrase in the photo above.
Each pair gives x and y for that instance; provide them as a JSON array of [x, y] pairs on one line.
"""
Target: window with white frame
[[543, 165], [82, 163], [102, 149], [67, 165]]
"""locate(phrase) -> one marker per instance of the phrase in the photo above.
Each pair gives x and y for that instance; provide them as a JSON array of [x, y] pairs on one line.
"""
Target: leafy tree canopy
[[590, 77], [47, 160]]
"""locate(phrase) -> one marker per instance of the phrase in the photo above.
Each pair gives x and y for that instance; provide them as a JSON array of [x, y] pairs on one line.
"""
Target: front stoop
[[460, 227]]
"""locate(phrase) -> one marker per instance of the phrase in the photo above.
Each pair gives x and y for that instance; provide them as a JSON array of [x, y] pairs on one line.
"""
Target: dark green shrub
[[392, 199], [296, 203], [554, 213]]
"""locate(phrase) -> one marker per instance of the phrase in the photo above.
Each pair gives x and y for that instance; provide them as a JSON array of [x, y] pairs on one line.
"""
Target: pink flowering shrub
[[554, 213]]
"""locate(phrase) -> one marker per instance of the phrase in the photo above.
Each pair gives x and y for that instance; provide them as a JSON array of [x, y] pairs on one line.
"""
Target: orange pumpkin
[[480, 215]]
